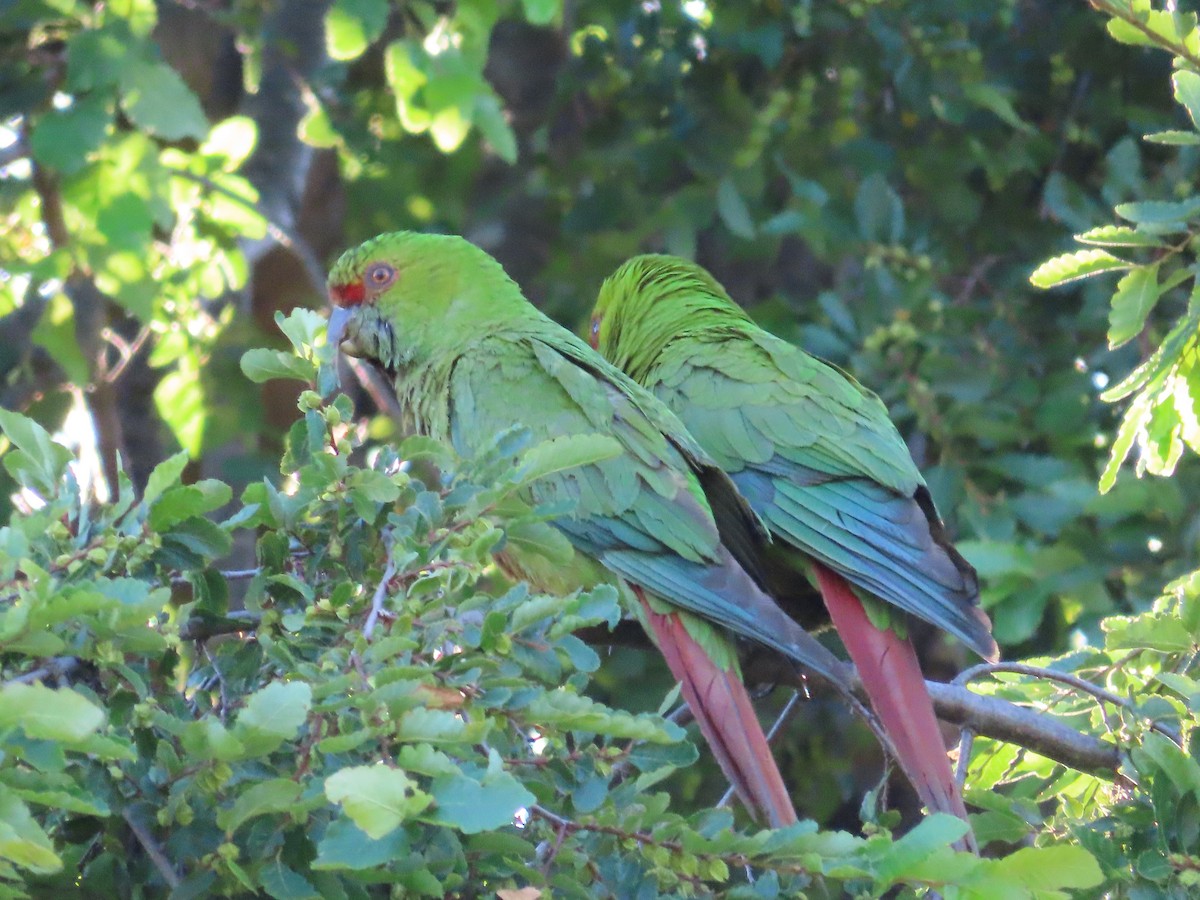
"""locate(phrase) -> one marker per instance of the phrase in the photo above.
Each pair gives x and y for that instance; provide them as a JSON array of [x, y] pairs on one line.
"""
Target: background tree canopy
[[876, 182]]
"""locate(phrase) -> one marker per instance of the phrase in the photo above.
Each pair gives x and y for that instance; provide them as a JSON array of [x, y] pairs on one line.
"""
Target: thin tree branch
[[377, 600], [58, 669], [146, 839], [1072, 681], [1037, 731], [1123, 12], [201, 628]]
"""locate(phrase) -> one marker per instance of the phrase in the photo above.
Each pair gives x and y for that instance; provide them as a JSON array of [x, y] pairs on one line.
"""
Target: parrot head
[[648, 302], [402, 294]]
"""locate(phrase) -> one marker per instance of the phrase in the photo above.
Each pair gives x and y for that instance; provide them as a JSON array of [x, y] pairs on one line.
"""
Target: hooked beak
[[336, 330]]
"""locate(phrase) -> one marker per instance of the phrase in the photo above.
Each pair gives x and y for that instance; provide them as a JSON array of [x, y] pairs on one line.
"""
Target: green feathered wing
[[641, 514], [818, 458]]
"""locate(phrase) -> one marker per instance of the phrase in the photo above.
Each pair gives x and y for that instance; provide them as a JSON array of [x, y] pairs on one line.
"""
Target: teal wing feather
[[642, 514], [820, 461]]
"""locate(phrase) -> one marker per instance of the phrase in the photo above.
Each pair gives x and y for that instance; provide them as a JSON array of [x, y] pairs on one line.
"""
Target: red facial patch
[[351, 294]]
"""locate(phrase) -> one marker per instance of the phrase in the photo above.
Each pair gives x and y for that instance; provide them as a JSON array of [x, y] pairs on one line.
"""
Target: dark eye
[[380, 275]]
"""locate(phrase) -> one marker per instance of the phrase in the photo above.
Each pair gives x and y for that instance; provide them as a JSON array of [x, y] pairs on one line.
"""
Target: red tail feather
[[891, 674], [719, 701]]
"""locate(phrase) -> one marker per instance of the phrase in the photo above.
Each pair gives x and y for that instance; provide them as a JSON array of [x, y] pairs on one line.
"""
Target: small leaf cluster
[[1143, 829], [1157, 251]]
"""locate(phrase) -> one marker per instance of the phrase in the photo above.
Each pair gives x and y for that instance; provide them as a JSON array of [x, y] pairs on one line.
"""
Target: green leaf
[[999, 100], [570, 710], [1163, 29], [42, 712], [934, 832], [377, 798], [346, 846], [493, 125], [1137, 292], [274, 713], [45, 460], [351, 26], [95, 58], [180, 399], [474, 806], [1073, 266], [55, 333], [878, 210], [22, 840], [375, 486], [271, 796], [158, 100], [541, 12], [1170, 213], [733, 210], [1055, 868], [1173, 137], [185, 501], [302, 327], [316, 128], [566, 452], [430, 726], [1163, 633], [63, 139], [1118, 236], [261, 365], [1132, 424], [996, 558], [1187, 92], [231, 141], [284, 883]]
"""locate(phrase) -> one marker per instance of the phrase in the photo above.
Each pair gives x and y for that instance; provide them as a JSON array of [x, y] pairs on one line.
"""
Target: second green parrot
[[819, 460], [469, 357]]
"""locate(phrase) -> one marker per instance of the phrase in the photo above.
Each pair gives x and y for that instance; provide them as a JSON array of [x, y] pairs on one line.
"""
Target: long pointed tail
[[722, 708], [891, 674]]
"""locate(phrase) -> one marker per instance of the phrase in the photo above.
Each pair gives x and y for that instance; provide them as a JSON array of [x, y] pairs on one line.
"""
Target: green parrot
[[469, 357], [818, 459]]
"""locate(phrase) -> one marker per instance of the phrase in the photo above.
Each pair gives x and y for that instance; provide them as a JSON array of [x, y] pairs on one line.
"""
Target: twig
[[146, 839], [57, 668], [1125, 14], [966, 743], [228, 574], [1072, 681], [212, 661], [377, 600], [126, 349], [201, 628]]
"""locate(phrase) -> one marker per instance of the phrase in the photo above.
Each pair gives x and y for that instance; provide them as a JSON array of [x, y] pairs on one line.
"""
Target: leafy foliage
[[1160, 262]]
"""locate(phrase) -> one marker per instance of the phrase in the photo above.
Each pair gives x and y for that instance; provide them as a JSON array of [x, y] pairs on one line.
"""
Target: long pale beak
[[336, 330]]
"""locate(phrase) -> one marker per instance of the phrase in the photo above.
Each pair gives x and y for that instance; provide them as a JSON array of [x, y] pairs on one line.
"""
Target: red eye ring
[[379, 275]]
